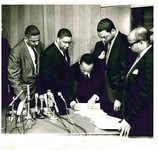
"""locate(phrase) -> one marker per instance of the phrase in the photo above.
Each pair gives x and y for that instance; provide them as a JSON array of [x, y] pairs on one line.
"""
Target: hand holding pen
[[75, 105]]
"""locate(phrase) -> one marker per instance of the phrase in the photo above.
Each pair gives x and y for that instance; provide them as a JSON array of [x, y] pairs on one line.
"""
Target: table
[[80, 126]]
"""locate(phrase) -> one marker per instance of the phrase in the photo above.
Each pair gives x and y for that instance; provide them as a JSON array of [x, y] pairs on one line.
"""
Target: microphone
[[36, 101], [15, 98], [50, 94], [61, 96], [28, 92], [41, 97], [50, 98], [45, 99]]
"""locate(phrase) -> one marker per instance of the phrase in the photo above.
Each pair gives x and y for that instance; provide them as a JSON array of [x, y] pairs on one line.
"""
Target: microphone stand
[[51, 105], [28, 115]]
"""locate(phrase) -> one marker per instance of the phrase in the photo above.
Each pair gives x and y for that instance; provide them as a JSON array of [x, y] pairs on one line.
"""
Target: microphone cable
[[59, 126], [75, 125], [59, 117], [70, 119]]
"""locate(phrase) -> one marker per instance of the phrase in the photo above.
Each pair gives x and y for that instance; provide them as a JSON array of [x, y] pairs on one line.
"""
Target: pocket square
[[135, 71]]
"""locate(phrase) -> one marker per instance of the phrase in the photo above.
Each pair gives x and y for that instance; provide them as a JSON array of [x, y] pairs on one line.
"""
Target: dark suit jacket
[[138, 96], [54, 69], [5, 56], [21, 70], [120, 57], [116, 67], [79, 87], [114, 72]]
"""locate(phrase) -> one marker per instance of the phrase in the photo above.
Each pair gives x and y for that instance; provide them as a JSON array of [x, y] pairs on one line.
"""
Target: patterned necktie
[[65, 55]]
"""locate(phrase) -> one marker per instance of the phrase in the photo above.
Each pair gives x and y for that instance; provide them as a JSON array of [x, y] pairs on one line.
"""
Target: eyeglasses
[[131, 44]]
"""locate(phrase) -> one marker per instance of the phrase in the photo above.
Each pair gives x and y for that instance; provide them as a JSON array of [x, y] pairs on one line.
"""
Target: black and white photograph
[[78, 75]]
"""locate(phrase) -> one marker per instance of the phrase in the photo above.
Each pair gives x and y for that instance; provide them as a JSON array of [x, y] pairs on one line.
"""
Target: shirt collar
[[56, 44], [145, 50], [29, 47], [112, 41]]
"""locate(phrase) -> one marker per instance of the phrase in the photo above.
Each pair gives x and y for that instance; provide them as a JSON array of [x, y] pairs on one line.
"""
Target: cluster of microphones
[[45, 105]]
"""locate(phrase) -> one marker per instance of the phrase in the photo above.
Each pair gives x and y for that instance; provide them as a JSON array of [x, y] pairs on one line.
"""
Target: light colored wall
[[82, 21], [120, 15]]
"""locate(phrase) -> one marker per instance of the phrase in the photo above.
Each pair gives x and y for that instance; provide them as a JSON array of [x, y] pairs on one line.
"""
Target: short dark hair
[[31, 30], [64, 32], [87, 58], [105, 24]]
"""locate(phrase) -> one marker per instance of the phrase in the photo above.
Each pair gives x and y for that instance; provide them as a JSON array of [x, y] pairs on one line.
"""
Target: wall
[[120, 15], [82, 21]]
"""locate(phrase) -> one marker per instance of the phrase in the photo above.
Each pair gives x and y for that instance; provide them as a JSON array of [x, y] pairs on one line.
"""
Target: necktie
[[107, 53], [87, 77], [35, 53], [65, 55]]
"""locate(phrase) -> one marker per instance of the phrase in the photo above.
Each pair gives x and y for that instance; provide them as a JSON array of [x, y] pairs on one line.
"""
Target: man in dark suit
[[138, 90], [55, 65], [23, 65], [111, 55], [5, 56], [83, 85]]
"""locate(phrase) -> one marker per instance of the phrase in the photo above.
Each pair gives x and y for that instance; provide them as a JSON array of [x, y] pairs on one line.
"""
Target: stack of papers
[[98, 117]]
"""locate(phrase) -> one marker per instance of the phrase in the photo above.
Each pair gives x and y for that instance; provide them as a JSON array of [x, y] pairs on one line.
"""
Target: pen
[[77, 101]]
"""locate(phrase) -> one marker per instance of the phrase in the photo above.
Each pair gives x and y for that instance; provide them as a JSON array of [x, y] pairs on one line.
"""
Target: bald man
[[137, 98]]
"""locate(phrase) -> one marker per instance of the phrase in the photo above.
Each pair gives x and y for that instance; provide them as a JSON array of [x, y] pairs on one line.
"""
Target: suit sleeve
[[45, 70], [14, 72], [119, 73], [71, 87]]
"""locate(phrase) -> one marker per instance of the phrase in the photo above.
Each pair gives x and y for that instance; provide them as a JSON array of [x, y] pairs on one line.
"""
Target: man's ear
[[57, 39]]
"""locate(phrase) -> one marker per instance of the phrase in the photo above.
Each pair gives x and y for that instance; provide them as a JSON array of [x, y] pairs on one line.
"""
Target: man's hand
[[124, 128], [117, 105], [92, 101], [75, 106]]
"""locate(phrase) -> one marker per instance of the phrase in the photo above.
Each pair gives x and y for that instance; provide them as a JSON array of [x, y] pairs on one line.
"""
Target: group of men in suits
[[111, 74]]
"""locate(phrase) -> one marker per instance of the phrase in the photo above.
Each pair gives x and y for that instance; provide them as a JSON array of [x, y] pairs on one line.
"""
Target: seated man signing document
[[84, 83]]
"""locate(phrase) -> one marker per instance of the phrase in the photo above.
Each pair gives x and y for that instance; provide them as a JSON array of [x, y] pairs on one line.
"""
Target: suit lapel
[[27, 54]]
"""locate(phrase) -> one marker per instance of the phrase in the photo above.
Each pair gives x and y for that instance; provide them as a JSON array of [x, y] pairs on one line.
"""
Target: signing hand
[[75, 106]]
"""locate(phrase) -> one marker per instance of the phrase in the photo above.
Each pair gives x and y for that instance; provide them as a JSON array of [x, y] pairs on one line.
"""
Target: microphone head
[[41, 97], [59, 94], [36, 95]]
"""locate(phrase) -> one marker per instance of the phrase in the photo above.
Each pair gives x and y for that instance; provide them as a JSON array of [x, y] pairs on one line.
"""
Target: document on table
[[98, 117], [84, 106]]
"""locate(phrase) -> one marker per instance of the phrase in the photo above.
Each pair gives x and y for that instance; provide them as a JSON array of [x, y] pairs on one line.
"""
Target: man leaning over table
[[84, 83]]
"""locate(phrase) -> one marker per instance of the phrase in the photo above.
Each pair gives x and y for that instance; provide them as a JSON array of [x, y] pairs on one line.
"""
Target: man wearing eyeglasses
[[112, 56], [84, 84], [137, 101], [23, 65]]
